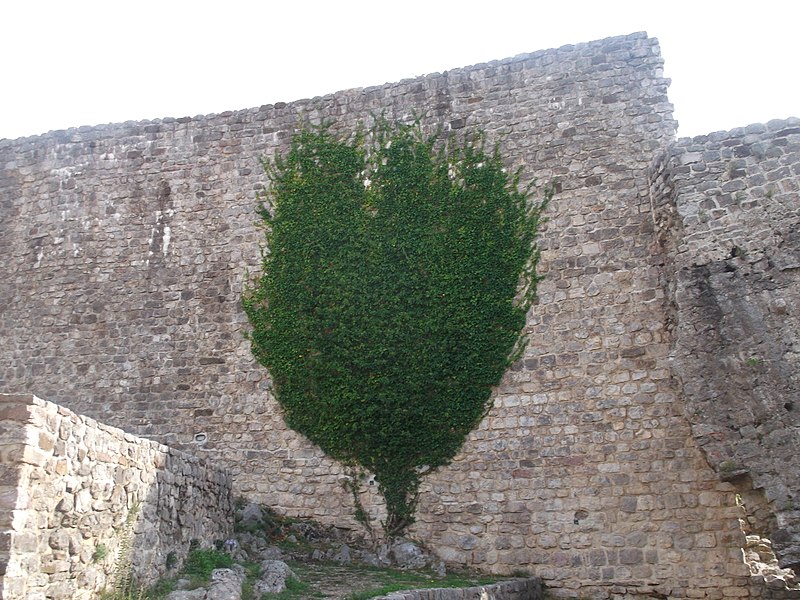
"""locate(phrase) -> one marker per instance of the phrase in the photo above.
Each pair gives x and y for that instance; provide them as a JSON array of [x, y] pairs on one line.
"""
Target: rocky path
[[297, 559]]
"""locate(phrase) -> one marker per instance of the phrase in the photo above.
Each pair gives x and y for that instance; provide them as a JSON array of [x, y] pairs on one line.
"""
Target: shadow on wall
[[734, 217]]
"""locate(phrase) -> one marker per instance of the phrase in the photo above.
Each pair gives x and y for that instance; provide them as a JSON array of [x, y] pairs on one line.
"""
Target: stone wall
[[120, 298], [730, 216], [523, 589], [72, 490]]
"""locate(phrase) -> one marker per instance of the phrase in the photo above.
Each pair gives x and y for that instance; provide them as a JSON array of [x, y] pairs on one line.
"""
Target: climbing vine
[[397, 272]]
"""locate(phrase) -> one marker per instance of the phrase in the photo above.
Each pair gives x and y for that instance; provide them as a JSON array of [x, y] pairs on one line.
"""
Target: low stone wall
[[73, 491], [519, 589]]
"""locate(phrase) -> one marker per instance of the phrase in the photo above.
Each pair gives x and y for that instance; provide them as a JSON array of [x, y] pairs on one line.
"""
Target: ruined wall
[[71, 486], [128, 245], [730, 213], [524, 589]]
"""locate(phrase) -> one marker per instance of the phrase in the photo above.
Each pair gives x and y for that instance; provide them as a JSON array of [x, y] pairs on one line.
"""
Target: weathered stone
[[197, 594], [272, 578], [66, 527], [740, 376], [343, 555], [226, 584], [271, 553], [317, 554], [250, 516]]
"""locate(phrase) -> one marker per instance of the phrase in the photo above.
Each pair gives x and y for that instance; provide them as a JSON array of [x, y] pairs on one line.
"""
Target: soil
[[335, 564], [339, 582]]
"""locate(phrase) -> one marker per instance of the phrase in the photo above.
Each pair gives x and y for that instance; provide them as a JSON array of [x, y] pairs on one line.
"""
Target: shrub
[[397, 274]]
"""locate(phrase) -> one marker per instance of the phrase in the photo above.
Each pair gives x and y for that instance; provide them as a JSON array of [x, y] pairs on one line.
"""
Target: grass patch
[[314, 580], [381, 591], [161, 589], [406, 581], [296, 590], [420, 579], [200, 563], [362, 582]]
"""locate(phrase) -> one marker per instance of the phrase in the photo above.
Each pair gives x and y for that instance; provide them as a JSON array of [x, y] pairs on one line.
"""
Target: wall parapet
[[73, 488]]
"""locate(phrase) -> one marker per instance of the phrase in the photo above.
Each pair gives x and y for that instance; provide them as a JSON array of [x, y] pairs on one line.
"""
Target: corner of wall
[[728, 204], [77, 493]]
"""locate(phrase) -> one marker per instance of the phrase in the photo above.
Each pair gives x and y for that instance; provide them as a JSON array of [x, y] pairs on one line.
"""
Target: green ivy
[[397, 273]]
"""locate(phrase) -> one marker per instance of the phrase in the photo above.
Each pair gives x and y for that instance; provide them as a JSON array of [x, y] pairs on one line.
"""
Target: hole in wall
[[789, 406], [736, 252], [200, 438], [760, 527]]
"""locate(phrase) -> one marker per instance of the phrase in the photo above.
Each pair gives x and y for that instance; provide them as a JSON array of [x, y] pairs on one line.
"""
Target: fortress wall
[[73, 487], [732, 224], [120, 299], [586, 471]]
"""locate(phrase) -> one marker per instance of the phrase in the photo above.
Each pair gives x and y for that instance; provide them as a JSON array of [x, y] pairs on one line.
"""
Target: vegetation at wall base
[[124, 586], [397, 273], [200, 563]]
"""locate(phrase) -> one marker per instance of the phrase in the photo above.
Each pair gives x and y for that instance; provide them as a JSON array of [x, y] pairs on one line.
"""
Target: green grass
[[296, 590], [314, 579], [418, 582], [197, 568], [412, 581], [161, 589], [384, 580], [252, 571], [381, 591], [200, 563], [420, 579]]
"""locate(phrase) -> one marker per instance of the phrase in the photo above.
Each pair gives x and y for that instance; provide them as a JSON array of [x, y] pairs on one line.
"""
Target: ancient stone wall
[[120, 298], [526, 589], [72, 490], [730, 216]]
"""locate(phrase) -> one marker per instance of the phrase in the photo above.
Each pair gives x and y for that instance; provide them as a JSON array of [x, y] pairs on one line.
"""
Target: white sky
[[82, 62]]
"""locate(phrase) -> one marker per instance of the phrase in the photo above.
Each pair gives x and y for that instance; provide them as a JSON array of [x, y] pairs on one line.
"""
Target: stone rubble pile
[[760, 557], [259, 529]]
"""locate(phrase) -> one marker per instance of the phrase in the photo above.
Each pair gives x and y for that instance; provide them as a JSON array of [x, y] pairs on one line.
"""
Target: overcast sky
[[83, 62]]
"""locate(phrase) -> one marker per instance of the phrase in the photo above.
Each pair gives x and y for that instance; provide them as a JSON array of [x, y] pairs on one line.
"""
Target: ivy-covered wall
[[127, 246]]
